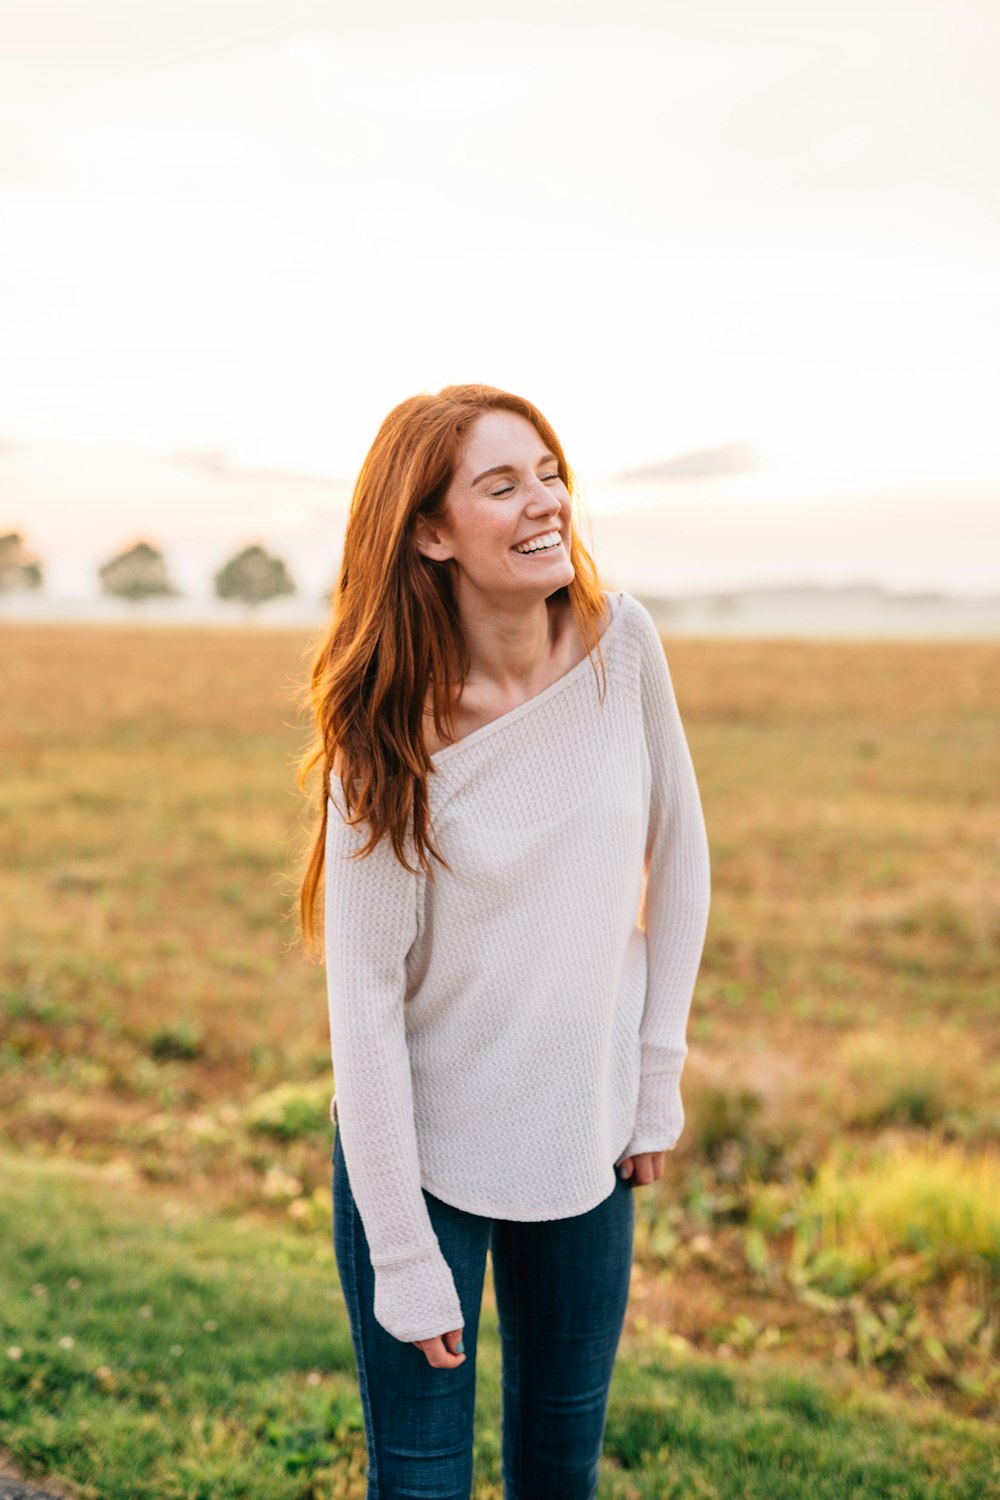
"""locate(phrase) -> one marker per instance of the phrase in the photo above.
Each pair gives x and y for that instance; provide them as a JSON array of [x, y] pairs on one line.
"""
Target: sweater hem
[[438, 1331], [459, 1200]]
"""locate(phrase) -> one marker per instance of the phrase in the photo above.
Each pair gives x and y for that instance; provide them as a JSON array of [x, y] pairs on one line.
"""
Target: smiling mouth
[[532, 551]]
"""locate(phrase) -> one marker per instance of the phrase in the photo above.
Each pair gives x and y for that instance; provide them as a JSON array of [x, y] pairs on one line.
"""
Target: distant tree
[[140, 572], [253, 576], [18, 569]]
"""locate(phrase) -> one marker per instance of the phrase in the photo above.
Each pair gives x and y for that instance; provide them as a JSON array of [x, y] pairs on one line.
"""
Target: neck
[[510, 642]]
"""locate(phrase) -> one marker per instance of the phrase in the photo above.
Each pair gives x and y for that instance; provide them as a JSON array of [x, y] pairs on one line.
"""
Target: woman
[[495, 820]]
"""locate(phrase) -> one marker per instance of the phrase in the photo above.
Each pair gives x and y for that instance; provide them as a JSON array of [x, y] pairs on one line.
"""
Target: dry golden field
[[836, 1195]]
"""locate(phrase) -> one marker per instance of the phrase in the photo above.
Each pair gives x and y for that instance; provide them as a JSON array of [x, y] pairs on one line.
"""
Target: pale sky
[[751, 248]]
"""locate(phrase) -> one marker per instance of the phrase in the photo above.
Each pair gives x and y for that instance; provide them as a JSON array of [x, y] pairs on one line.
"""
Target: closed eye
[[498, 493]]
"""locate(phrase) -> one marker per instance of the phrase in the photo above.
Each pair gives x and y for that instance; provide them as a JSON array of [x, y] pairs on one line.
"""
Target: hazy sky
[[751, 247]]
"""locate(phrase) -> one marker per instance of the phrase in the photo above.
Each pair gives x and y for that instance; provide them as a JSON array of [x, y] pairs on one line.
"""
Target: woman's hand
[[643, 1168], [439, 1349]]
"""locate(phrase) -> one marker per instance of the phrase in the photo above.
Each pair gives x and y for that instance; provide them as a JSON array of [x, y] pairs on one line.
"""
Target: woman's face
[[506, 491]]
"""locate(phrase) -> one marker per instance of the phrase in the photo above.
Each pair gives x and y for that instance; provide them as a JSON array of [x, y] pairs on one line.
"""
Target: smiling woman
[[502, 533], [487, 1089], [511, 655], [435, 614]]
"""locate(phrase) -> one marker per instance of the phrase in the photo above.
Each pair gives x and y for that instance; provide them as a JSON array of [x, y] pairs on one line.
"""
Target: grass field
[[815, 1298]]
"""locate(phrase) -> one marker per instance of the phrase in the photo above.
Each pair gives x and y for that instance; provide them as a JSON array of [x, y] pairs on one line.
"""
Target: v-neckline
[[502, 720]]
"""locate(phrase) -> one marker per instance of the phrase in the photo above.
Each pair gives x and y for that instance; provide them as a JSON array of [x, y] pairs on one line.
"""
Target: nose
[[543, 501]]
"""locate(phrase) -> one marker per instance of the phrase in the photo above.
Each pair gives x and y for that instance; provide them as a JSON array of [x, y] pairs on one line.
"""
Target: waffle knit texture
[[503, 1037]]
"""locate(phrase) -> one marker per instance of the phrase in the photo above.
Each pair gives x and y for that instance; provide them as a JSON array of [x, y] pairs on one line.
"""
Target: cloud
[[699, 463], [214, 464]]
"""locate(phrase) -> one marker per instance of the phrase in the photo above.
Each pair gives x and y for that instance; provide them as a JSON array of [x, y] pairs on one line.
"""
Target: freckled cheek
[[501, 538], [489, 535]]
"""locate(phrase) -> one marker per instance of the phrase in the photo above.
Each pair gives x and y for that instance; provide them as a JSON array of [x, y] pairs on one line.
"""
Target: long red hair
[[395, 634]]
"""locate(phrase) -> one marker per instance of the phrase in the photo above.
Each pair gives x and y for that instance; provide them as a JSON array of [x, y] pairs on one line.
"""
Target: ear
[[431, 540]]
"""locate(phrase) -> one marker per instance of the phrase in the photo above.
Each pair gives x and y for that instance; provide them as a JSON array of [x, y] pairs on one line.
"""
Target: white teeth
[[541, 543]]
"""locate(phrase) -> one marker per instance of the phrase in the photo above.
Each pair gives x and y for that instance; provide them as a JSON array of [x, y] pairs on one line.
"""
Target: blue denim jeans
[[561, 1291]]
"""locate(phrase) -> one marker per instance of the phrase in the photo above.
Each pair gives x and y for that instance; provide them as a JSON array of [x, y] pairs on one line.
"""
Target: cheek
[[497, 531], [488, 529], [490, 537]]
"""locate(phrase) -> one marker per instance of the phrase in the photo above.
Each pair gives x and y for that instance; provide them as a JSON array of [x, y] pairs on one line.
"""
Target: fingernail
[[460, 1347], [622, 1172]]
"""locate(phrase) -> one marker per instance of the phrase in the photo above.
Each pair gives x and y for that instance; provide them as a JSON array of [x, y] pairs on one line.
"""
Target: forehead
[[499, 437]]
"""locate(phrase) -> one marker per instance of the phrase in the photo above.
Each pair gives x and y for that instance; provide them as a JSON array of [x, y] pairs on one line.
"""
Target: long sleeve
[[677, 903], [370, 924]]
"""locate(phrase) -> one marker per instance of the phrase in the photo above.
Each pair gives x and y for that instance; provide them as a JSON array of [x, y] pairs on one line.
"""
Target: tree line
[[251, 576]]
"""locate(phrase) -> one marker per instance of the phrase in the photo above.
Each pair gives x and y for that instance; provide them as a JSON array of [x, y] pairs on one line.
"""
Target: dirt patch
[[14, 1485]]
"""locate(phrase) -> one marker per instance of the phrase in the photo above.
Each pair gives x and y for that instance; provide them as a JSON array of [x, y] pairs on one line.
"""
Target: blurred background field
[[815, 1295], [747, 265]]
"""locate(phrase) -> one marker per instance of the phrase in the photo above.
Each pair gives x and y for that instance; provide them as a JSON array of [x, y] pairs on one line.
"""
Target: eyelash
[[500, 493]]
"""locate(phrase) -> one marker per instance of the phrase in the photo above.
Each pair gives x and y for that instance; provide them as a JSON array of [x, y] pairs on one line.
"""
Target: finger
[[438, 1353], [444, 1359], [649, 1167]]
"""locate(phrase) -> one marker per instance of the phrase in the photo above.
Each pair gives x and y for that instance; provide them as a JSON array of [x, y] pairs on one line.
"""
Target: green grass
[[158, 1020], [193, 1343], [933, 1203], [161, 1353]]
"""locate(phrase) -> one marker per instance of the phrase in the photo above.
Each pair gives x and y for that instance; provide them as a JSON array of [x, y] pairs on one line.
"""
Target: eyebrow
[[546, 458]]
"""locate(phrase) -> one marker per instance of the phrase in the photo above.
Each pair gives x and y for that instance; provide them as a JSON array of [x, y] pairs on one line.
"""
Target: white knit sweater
[[504, 1037]]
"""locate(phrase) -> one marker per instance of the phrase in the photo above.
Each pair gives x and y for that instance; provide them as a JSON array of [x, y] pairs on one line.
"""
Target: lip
[[526, 539]]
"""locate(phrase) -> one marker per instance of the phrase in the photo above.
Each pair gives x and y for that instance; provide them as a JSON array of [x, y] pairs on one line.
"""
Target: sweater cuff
[[659, 1115], [416, 1298]]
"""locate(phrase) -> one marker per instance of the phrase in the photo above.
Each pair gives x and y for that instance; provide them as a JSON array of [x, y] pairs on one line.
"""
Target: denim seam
[[518, 1477], [372, 1476]]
